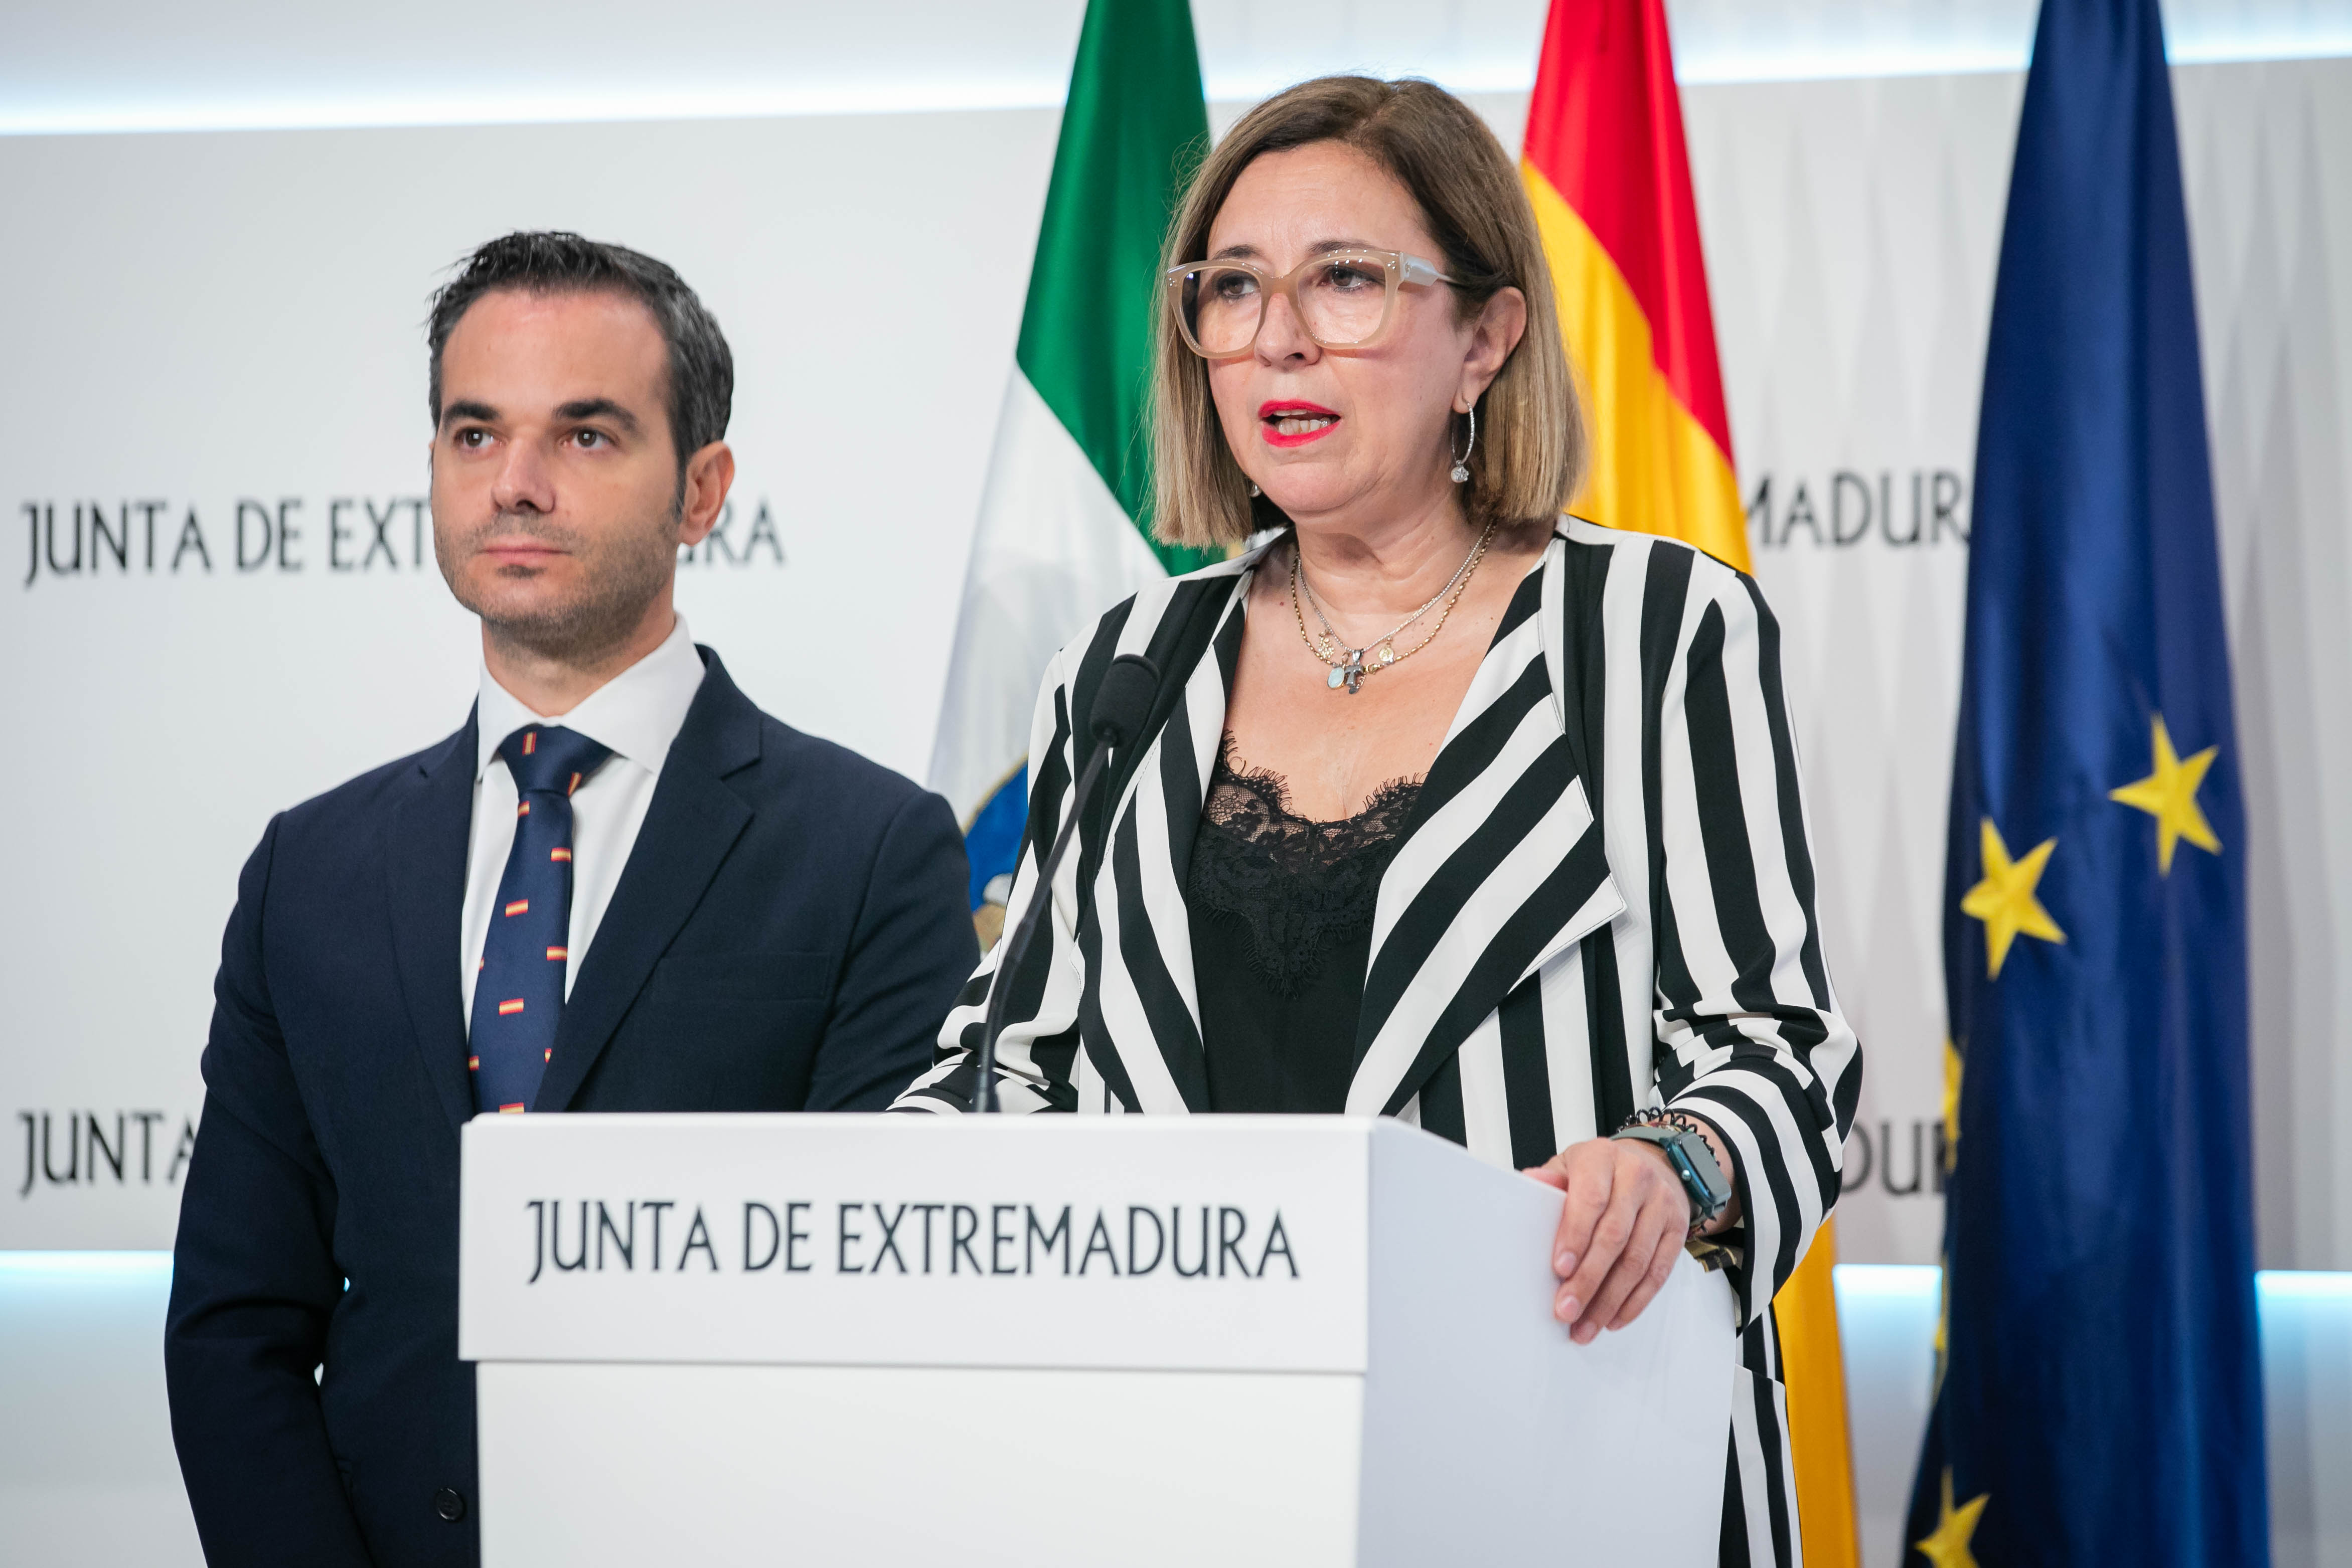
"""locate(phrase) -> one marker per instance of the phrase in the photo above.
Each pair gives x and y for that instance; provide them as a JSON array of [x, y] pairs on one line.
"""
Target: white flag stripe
[[1053, 547]]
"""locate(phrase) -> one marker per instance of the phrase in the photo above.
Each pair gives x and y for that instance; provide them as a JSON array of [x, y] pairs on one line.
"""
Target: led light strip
[[1495, 73], [83, 1265], [1919, 1281], [1922, 1283]]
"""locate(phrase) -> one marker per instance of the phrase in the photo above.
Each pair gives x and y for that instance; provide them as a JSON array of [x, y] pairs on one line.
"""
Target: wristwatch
[[1704, 1182]]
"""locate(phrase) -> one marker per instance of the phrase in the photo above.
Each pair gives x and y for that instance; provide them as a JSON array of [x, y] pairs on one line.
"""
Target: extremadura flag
[[1063, 534], [2099, 1397]]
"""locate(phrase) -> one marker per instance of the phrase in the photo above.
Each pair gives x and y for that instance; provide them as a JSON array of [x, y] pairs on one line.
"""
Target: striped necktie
[[519, 988]]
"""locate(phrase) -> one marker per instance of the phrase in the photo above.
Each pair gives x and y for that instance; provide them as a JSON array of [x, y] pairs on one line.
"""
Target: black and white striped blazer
[[1602, 899]]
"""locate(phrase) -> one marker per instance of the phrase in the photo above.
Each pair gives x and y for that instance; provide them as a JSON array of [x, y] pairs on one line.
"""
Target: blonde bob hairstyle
[[1532, 445]]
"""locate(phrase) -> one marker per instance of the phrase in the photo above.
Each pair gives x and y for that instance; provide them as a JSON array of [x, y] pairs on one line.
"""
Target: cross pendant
[[1350, 673]]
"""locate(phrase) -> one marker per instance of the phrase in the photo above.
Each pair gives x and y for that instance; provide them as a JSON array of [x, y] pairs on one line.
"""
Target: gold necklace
[[1348, 666]]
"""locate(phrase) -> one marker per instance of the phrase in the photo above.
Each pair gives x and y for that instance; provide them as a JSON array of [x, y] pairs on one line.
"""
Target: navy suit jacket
[[790, 931]]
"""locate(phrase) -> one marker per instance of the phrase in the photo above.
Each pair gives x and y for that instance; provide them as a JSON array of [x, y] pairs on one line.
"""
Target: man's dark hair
[[702, 370]]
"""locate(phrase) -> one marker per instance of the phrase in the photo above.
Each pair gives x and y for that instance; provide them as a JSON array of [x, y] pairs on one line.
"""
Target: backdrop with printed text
[[221, 596]]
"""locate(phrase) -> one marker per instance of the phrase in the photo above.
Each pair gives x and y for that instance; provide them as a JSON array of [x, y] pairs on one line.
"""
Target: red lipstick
[[1273, 415]]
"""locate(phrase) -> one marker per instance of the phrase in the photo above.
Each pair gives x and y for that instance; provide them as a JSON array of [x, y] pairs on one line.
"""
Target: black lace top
[[1281, 915]]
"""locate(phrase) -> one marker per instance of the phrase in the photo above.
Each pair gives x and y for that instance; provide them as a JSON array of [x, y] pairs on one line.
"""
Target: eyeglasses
[[1343, 299]]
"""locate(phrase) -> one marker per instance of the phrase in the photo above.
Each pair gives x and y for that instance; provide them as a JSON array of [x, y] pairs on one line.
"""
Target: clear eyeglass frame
[[1397, 270]]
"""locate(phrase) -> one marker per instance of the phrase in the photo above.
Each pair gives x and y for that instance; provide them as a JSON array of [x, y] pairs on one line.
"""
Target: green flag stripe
[[1135, 121]]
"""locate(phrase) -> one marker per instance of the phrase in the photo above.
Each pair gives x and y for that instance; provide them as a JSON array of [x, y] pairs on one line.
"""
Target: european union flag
[[2099, 1397]]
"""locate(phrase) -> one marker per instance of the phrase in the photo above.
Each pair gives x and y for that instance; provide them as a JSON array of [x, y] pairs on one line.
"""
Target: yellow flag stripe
[[1655, 469], [1813, 1363]]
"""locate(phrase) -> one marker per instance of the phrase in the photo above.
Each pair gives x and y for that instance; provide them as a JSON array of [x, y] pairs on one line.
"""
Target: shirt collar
[[636, 714]]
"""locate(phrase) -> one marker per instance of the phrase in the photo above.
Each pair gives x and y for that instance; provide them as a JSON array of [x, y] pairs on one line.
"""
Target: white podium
[[866, 1339]]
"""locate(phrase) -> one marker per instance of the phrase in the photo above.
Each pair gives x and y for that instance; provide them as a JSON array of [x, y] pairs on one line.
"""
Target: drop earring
[[1461, 463], [1254, 492]]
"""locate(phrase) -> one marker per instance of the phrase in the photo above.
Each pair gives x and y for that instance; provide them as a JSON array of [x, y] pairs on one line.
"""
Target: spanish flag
[[1606, 170], [1608, 174]]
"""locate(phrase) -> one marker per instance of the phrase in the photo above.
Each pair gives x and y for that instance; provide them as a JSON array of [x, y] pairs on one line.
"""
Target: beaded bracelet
[[1665, 1116]]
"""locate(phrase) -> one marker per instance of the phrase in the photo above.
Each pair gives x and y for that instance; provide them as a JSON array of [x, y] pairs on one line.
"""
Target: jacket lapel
[[1140, 1017], [691, 826], [427, 874], [1501, 867]]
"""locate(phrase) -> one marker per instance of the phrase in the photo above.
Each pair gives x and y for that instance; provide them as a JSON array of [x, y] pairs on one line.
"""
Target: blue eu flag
[[2098, 1391]]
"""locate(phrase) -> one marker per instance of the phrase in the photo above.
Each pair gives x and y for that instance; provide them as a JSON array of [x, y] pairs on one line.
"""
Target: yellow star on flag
[[1953, 1066], [2004, 901], [2170, 795], [1955, 1529]]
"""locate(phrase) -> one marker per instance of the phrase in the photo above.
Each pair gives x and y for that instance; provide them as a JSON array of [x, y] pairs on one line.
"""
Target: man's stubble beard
[[619, 579]]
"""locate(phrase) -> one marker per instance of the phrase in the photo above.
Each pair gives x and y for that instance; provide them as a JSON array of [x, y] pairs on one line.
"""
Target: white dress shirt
[[636, 715]]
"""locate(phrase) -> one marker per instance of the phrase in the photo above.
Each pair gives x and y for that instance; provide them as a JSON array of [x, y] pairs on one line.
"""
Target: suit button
[[450, 1503]]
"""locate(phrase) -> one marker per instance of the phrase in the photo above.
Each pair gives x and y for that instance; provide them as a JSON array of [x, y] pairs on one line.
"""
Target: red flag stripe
[[1605, 128]]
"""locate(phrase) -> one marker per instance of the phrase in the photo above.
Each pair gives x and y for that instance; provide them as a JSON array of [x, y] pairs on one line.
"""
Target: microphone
[[1122, 704]]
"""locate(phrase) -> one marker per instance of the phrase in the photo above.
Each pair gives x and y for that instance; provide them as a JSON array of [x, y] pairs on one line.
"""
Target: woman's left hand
[[1621, 1228]]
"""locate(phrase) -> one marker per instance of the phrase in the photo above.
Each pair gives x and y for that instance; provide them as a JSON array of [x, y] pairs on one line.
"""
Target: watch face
[[1696, 1164], [1692, 1179], [1705, 1182]]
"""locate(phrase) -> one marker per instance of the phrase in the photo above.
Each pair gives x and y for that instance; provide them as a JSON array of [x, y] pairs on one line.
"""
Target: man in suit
[[619, 887]]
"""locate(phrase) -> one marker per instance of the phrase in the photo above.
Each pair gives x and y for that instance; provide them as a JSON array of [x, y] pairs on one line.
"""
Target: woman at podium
[[1447, 806]]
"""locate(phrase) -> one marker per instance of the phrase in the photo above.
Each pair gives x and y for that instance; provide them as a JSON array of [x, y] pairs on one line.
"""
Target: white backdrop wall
[[228, 324], [225, 325], [1851, 230]]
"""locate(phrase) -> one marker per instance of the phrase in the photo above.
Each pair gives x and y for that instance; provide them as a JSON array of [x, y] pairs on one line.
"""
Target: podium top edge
[[919, 1124], [829, 1128]]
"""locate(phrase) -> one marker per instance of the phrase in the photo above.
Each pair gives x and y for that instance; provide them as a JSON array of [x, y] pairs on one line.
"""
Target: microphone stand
[[1120, 705]]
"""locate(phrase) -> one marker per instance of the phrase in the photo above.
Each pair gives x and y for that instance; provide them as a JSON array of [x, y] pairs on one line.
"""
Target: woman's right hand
[[1622, 1222]]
